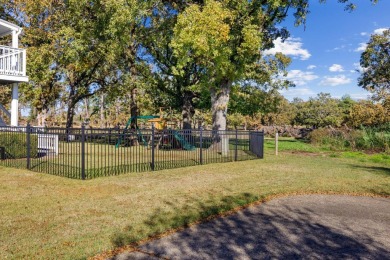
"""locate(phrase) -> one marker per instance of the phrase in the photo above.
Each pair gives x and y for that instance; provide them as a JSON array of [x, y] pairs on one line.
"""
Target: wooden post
[[276, 143]]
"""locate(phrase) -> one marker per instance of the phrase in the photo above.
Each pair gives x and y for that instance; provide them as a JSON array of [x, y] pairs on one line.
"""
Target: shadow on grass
[[380, 170], [171, 217], [278, 232]]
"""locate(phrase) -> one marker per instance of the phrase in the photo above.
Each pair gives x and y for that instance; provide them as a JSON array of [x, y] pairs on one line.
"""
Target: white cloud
[[380, 30], [335, 81], [301, 78], [297, 92], [362, 47], [336, 68], [363, 33], [311, 67], [291, 46], [358, 67], [360, 96]]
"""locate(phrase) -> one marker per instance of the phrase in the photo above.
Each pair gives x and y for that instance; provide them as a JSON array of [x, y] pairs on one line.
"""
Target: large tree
[[320, 111], [225, 40], [375, 63], [166, 88], [77, 48]]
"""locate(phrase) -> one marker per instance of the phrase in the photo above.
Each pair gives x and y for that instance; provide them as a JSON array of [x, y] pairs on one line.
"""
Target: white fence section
[[48, 143], [12, 61]]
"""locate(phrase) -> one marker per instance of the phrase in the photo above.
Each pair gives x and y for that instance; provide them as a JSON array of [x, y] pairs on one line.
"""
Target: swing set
[[160, 124]]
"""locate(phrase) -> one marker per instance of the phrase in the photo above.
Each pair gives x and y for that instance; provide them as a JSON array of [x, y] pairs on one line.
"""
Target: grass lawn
[[50, 217]]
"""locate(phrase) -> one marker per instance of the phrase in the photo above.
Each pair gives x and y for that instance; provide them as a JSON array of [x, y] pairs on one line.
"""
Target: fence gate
[[256, 143]]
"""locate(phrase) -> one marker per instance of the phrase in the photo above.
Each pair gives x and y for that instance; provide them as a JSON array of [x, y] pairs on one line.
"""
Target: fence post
[[276, 143], [83, 151], [236, 147], [152, 144], [201, 145], [28, 141]]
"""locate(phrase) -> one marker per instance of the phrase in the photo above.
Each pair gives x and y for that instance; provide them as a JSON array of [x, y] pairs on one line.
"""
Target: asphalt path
[[297, 227]]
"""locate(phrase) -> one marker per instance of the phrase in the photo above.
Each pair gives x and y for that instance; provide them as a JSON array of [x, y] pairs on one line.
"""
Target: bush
[[366, 139], [372, 139], [15, 145], [331, 138]]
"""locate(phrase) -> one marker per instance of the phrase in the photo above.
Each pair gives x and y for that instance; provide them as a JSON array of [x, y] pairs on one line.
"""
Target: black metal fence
[[85, 153]]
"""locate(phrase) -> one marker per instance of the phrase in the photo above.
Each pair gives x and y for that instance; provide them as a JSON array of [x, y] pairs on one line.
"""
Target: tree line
[[320, 111]]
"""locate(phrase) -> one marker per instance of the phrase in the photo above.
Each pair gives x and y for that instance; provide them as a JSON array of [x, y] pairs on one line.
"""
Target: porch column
[[15, 105], [15, 87]]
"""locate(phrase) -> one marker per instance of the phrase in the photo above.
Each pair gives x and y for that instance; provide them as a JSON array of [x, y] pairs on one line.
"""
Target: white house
[[12, 67]]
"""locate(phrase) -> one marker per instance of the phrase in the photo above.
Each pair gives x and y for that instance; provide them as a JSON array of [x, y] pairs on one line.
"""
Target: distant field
[[50, 217]]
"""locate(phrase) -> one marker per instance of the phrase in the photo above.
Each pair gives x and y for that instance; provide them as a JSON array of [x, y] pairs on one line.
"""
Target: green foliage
[[318, 112], [375, 61], [77, 48], [15, 145], [249, 100], [177, 51], [368, 113], [332, 139], [283, 114], [236, 120], [367, 139], [224, 39]]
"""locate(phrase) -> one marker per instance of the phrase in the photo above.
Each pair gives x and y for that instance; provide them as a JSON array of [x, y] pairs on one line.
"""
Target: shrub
[[15, 145], [346, 139], [331, 138], [372, 139]]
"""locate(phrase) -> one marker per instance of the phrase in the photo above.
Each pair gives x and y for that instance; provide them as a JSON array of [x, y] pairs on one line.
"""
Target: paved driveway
[[312, 226]]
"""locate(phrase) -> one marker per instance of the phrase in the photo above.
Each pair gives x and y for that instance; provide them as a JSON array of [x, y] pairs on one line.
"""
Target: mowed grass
[[291, 144], [49, 217]]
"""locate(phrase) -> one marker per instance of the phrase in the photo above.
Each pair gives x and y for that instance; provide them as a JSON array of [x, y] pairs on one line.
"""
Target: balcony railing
[[12, 61]]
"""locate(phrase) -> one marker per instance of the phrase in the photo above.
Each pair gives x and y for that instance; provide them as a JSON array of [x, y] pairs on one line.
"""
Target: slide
[[184, 144], [141, 137]]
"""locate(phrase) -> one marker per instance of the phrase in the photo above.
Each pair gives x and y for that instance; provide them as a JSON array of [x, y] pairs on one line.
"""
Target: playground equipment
[[186, 145], [138, 132], [161, 135]]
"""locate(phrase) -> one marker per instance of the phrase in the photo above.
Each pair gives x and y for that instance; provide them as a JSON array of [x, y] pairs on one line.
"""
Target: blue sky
[[326, 53]]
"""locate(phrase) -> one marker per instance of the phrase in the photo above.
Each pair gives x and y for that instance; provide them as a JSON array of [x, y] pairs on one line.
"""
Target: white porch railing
[[48, 143], [12, 61]]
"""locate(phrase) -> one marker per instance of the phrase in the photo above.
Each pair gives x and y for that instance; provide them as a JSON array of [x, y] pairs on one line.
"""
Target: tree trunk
[[188, 110], [102, 117], [69, 115], [42, 117], [87, 115], [117, 112], [134, 109], [71, 107], [219, 103]]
